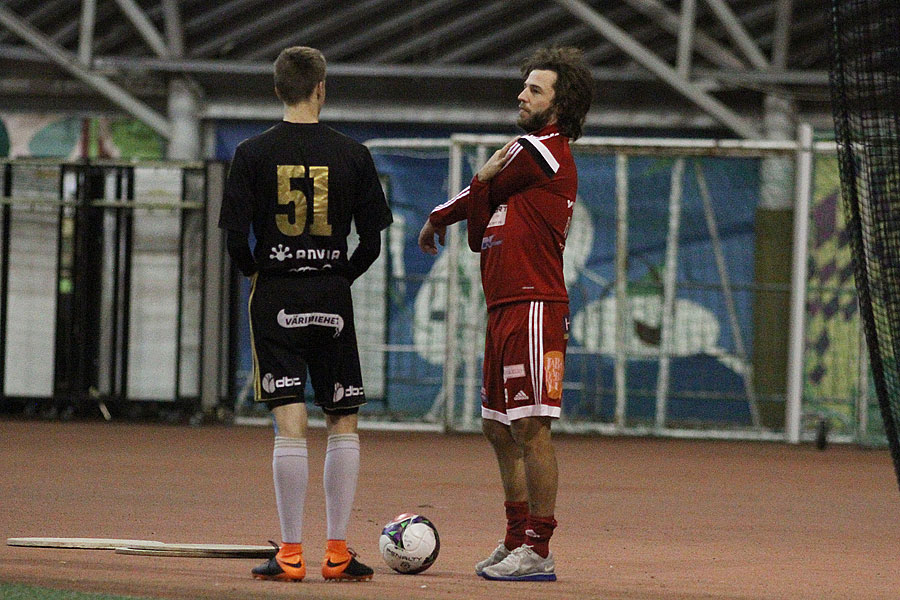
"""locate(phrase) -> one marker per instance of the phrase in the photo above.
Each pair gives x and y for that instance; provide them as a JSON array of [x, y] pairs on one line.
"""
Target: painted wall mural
[[50, 135]]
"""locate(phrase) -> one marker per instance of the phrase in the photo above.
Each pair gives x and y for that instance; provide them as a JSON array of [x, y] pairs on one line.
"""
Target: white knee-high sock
[[341, 474], [290, 467]]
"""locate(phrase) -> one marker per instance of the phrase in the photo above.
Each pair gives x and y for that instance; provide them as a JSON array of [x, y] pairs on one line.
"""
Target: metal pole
[[183, 107], [722, 267], [738, 33], [862, 391], [668, 304], [144, 27], [212, 354], [686, 30], [622, 308], [452, 307], [86, 31], [183, 114], [782, 35], [174, 28], [470, 386], [803, 190], [726, 75], [5, 239]]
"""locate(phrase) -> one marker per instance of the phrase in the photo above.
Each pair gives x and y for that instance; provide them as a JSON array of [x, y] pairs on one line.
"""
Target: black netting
[[865, 90]]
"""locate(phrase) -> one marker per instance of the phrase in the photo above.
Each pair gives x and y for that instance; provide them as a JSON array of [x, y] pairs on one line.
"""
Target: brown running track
[[638, 518]]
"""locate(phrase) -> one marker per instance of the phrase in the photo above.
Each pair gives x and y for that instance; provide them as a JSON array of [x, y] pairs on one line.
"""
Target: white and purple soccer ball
[[409, 544]]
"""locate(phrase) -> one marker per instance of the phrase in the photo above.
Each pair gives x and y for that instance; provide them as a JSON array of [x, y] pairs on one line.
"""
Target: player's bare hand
[[426, 237], [496, 162]]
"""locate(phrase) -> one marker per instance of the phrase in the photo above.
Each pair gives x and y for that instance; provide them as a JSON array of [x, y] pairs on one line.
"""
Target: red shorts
[[524, 360]]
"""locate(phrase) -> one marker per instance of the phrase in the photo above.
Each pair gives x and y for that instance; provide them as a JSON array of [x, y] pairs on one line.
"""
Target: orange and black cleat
[[286, 565], [344, 567]]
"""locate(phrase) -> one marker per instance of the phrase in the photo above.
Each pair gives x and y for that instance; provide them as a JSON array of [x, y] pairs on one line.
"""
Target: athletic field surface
[[639, 518]]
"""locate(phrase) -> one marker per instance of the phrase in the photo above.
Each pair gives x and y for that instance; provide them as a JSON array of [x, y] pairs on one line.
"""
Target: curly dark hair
[[574, 87], [298, 70]]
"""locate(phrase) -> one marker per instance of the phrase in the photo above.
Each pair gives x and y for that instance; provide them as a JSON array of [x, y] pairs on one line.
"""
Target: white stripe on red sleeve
[[451, 201]]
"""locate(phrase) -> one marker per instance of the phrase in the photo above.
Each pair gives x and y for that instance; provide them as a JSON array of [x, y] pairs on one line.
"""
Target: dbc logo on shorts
[[351, 390], [270, 384]]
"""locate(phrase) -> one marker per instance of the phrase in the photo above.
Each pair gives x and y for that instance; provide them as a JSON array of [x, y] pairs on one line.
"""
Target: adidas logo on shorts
[[521, 396]]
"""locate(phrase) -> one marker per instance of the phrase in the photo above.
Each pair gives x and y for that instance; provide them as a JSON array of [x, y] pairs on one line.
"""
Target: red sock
[[538, 532], [516, 519]]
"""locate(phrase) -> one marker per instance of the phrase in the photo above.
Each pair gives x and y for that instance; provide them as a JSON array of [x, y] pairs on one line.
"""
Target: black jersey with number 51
[[299, 186]]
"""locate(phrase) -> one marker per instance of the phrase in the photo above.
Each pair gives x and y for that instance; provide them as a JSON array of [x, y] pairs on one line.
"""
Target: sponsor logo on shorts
[[341, 392], [270, 384], [554, 365], [521, 396], [305, 319], [513, 371]]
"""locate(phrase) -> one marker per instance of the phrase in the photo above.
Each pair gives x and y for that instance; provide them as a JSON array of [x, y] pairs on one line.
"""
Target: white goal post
[[456, 406]]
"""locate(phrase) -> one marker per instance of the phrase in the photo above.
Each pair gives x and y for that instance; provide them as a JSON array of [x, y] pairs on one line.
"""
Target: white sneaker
[[496, 556], [522, 564]]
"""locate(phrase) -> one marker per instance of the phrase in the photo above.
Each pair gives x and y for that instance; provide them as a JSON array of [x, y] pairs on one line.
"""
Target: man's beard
[[535, 121]]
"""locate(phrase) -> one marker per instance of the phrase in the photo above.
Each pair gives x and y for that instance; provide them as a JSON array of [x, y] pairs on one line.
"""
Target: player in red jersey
[[519, 208]]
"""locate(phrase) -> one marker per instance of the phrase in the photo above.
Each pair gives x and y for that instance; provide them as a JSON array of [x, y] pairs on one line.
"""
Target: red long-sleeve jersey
[[519, 220]]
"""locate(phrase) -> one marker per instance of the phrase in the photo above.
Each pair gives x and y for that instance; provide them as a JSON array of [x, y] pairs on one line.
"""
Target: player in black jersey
[[298, 186]]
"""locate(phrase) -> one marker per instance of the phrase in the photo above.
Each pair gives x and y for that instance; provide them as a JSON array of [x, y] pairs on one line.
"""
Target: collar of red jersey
[[545, 130]]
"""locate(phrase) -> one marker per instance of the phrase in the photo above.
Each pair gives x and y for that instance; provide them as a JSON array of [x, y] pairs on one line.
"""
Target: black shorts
[[305, 323]]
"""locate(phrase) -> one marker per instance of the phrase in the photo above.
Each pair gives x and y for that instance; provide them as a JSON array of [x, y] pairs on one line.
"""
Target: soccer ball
[[409, 544]]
